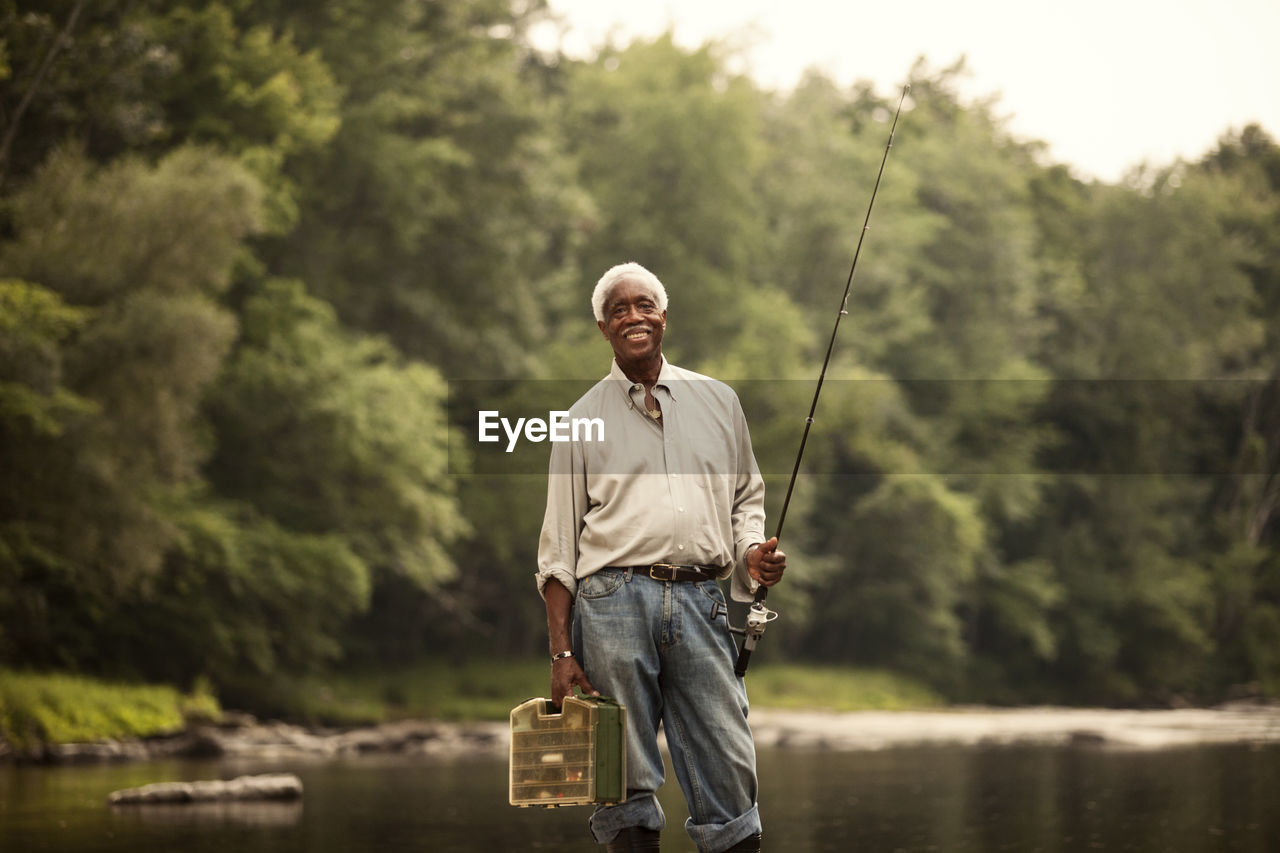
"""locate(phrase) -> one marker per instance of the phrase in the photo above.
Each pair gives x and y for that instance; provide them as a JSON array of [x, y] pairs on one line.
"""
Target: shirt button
[[681, 547], [675, 476], [682, 509]]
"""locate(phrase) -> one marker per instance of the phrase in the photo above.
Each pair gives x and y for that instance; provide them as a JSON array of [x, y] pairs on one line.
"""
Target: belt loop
[[626, 575]]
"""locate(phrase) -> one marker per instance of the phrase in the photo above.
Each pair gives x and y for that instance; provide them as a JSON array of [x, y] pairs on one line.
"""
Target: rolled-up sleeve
[[562, 524]]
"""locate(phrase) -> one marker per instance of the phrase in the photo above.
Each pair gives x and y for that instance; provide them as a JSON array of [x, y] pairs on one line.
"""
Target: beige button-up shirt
[[684, 491]]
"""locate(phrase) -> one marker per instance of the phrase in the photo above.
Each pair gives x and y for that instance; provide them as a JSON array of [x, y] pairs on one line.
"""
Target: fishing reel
[[758, 618]]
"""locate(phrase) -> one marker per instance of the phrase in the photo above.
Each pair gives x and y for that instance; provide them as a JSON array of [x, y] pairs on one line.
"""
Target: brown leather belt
[[672, 572]]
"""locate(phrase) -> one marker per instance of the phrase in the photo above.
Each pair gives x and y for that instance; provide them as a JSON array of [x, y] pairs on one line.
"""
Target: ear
[[664, 318], [603, 330]]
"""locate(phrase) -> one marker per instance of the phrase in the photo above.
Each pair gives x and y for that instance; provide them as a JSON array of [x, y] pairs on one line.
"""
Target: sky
[[1108, 84]]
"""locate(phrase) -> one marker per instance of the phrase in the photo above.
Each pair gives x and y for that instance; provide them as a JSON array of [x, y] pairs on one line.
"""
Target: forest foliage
[[260, 261]]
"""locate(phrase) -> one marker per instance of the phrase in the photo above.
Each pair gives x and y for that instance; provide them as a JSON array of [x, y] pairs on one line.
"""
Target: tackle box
[[577, 757]]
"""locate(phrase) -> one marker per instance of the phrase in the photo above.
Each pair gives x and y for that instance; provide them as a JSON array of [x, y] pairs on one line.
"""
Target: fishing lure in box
[[577, 757]]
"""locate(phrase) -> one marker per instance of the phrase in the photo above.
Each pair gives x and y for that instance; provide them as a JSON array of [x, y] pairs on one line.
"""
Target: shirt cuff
[[743, 587], [561, 574]]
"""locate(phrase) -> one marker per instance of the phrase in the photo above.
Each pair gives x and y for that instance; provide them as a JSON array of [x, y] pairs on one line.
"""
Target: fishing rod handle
[[744, 657], [754, 628]]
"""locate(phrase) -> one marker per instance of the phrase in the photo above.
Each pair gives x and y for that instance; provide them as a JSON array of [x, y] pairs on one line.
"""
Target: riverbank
[[241, 736], [1246, 723], [59, 708], [421, 712], [37, 709]]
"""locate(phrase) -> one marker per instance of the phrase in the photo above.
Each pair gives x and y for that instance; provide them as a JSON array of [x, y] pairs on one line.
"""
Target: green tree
[[1159, 316], [667, 146], [940, 385], [240, 600], [1245, 527], [148, 77], [328, 433], [897, 601], [36, 410], [441, 212], [824, 150], [140, 254]]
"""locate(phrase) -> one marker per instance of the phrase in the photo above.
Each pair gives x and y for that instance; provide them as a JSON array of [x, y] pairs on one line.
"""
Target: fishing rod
[[758, 615]]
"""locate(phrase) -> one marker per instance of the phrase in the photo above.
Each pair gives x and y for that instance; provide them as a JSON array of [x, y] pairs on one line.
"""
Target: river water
[[955, 798]]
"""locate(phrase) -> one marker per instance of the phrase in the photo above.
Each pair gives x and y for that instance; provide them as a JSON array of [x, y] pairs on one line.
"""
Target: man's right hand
[[565, 674]]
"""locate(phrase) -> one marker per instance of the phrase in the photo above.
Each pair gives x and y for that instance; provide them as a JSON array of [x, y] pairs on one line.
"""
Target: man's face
[[632, 322]]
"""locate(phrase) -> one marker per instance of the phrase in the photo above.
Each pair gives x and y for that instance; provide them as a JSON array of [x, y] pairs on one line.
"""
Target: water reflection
[[1032, 799], [273, 814], [1054, 799]]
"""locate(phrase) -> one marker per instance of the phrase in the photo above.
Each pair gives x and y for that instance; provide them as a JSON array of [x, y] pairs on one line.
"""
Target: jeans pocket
[[602, 584], [717, 607], [711, 589]]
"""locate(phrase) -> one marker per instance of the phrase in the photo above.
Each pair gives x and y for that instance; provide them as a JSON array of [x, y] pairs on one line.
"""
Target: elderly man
[[638, 529]]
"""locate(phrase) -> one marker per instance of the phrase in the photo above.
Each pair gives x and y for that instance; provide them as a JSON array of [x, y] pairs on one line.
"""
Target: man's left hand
[[766, 563]]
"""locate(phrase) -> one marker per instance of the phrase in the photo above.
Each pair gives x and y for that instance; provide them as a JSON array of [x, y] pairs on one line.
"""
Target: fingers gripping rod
[[759, 616]]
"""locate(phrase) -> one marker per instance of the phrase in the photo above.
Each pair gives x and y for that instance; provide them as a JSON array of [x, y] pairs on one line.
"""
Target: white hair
[[632, 271]]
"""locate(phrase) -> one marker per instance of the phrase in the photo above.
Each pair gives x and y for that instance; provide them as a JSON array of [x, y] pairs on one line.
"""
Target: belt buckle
[[656, 574]]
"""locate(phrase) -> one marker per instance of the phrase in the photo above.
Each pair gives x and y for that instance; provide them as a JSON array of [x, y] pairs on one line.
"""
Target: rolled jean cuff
[[715, 837], [637, 810]]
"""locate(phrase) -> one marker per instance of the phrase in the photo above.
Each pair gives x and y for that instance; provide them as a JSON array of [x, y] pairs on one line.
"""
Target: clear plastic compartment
[[556, 758]]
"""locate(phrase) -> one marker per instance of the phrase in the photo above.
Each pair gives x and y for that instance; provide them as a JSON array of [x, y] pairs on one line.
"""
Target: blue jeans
[[663, 649]]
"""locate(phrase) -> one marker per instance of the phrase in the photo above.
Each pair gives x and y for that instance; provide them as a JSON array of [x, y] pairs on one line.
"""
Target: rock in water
[[270, 786]]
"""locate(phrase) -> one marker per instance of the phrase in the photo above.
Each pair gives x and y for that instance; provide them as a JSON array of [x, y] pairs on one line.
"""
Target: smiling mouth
[[637, 334]]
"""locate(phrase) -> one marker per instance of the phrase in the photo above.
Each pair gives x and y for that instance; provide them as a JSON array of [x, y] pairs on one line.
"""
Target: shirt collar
[[666, 378]]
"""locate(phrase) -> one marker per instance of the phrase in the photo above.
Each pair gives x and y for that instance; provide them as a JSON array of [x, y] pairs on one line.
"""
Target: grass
[[53, 708], [36, 709], [834, 688], [489, 689], [440, 690]]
